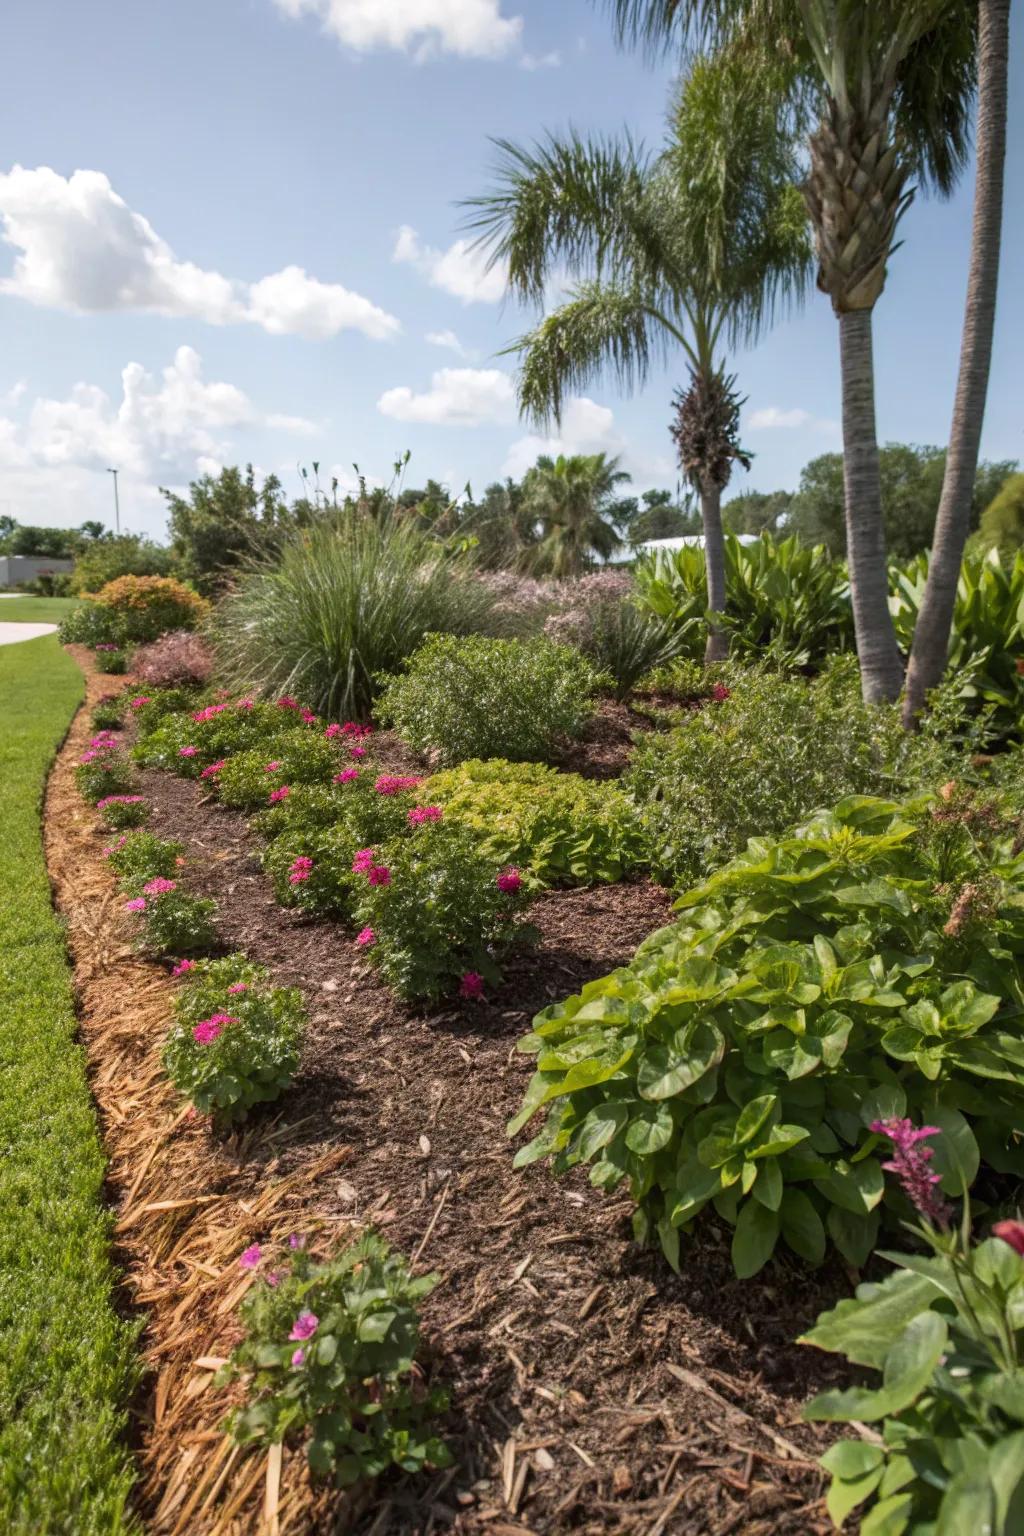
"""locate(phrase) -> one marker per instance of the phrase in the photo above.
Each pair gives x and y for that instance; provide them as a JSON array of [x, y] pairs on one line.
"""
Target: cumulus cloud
[[541, 60], [460, 270], [586, 427], [771, 417], [447, 339], [80, 247], [457, 397], [425, 28]]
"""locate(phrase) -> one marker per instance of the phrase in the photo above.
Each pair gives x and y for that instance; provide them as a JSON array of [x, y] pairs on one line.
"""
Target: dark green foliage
[[89, 623], [1002, 522], [350, 1382], [140, 856], [476, 697], [866, 967], [177, 923], [224, 521], [104, 771], [126, 554], [108, 714]]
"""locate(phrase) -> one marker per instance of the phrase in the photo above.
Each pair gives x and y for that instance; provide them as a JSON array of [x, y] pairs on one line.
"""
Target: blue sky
[[263, 234]]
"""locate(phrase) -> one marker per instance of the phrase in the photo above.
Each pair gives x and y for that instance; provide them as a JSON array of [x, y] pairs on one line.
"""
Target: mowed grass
[[36, 610], [66, 1359]]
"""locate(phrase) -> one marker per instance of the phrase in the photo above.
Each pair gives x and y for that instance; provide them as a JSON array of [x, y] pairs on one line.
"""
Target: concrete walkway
[[11, 633]]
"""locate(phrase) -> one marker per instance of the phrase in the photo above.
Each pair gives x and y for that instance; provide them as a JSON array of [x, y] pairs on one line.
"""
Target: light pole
[[117, 504]]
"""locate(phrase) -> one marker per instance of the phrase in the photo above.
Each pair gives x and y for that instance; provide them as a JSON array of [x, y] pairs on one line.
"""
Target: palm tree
[[571, 499], [930, 649], [691, 249], [888, 86]]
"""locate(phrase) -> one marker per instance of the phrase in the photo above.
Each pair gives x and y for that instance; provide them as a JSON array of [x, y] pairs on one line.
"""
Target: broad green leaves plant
[[330, 1348], [867, 966]]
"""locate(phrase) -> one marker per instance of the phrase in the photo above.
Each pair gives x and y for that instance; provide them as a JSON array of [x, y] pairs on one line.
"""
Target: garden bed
[[591, 1389]]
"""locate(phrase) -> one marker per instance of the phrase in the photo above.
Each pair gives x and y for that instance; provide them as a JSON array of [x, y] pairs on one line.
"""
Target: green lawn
[[66, 1361], [36, 610]]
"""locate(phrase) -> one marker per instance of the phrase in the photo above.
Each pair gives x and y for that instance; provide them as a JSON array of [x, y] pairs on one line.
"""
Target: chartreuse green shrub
[[559, 827], [867, 966], [476, 697], [946, 1332], [330, 1348], [236, 1038]]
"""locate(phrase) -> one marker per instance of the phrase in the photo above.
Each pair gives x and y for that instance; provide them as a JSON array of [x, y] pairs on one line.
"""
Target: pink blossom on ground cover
[[365, 937], [138, 702], [160, 886], [379, 874], [299, 1358], [308, 716], [207, 1030], [421, 813], [238, 986], [510, 880], [277, 795], [301, 869], [213, 770], [208, 713], [271, 767], [119, 800], [137, 904], [183, 967], [187, 751], [251, 1257], [287, 702], [305, 1326], [472, 985], [363, 861], [345, 776], [394, 783], [357, 751]]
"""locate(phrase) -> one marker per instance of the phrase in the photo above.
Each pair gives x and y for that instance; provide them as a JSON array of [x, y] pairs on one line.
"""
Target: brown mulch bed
[[591, 1390]]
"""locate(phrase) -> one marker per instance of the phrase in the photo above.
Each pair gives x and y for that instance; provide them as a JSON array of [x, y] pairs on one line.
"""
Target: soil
[[591, 1389]]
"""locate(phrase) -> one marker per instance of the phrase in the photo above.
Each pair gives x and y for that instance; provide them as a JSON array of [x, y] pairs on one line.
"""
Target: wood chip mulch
[[591, 1390]]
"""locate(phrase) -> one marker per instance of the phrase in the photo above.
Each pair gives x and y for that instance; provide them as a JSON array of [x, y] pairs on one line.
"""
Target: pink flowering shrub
[[176, 659], [329, 1351], [236, 1038], [438, 913], [224, 730], [109, 711], [104, 770], [120, 811], [322, 857], [175, 922], [299, 757], [140, 857]]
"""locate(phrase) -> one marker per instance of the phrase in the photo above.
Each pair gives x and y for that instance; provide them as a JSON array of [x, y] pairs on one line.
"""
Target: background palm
[[691, 248], [572, 499]]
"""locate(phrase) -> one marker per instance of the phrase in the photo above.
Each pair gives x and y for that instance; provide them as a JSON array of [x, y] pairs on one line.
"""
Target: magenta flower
[[305, 1326], [362, 861], [720, 693], [298, 1358], [273, 1278], [287, 702], [138, 703], [251, 1257], [1011, 1232], [308, 716], [909, 1163], [332, 731], [213, 770], [183, 967], [421, 813], [510, 880], [297, 1240], [206, 1031], [472, 985], [137, 904], [394, 783], [301, 870], [357, 751], [208, 713], [271, 767], [160, 886], [346, 776], [187, 751], [379, 874], [246, 704], [365, 936], [279, 794], [118, 843], [88, 757], [104, 739], [238, 986], [118, 800], [350, 728]]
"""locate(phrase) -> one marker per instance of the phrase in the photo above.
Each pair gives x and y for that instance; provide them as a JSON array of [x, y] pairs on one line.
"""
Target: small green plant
[[434, 911], [90, 624], [104, 770], [947, 1335], [624, 640], [136, 857], [461, 698], [236, 1038], [330, 1347], [559, 827], [175, 922], [190, 740], [159, 705], [112, 659], [122, 811], [108, 714], [302, 756], [312, 868]]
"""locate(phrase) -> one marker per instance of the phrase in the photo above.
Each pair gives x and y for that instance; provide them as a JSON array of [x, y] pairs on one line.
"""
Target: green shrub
[[348, 598], [623, 639], [90, 624], [126, 554], [215, 731], [236, 1038], [945, 1332], [103, 770], [108, 714], [175, 922], [300, 757], [1002, 522], [112, 659], [122, 811], [351, 800], [562, 828], [323, 856], [330, 1347], [139, 856], [160, 704], [433, 913], [866, 967], [476, 697]]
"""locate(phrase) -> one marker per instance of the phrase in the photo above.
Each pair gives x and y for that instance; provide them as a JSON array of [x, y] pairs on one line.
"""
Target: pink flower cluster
[[118, 842], [160, 886], [277, 795], [213, 770], [246, 704], [301, 870], [395, 783], [509, 880], [304, 1327], [138, 703], [97, 747], [272, 767], [187, 751], [287, 702], [207, 1030], [208, 713], [719, 692], [346, 776], [421, 813], [183, 967], [357, 751], [308, 716], [119, 800], [238, 986], [365, 863], [472, 986], [910, 1162], [104, 741], [365, 937], [137, 904]]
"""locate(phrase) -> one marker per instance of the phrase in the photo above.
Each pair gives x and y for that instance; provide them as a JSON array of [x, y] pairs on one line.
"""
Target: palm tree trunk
[[931, 634], [881, 667], [717, 648]]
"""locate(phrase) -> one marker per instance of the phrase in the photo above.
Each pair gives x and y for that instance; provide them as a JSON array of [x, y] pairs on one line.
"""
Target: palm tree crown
[[571, 499]]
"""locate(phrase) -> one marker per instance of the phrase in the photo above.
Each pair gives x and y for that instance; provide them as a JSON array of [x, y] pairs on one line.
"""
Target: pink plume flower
[[202, 715], [137, 904], [421, 813], [332, 731], [910, 1162], [251, 1257], [287, 702], [510, 880], [160, 886], [279, 794], [305, 1326], [365, 937], [187, 751], [297, 1240], [183, 967], [472, 985], [346, 776], [350, 728]]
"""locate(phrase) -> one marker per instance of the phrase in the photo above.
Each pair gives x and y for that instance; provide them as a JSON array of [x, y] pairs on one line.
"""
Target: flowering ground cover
[[66, 1371]]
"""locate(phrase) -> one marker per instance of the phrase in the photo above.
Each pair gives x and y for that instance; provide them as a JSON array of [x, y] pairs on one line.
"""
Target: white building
[[16, 570]]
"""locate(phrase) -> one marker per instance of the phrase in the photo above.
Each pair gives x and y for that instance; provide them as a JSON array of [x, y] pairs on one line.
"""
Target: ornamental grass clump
[[865, 968], [330, 1349], [236, 1037], [476, 697], [437, 909], [346, 599]]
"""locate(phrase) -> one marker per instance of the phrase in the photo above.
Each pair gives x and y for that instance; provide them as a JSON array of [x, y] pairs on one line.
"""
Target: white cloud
[[472, 28], [771, 417], [541, 60], [447, 339], [458, 397], [15, 393], [460, 270], [586, 427], [81, 248]]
